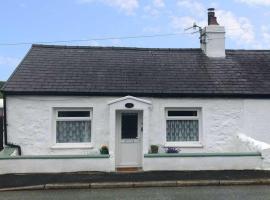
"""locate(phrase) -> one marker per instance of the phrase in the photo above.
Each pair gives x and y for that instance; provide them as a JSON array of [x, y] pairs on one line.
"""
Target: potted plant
[[172, 149], [154, 148], [104, 149]]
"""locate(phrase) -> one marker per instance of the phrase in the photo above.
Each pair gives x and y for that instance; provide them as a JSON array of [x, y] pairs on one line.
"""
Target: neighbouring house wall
[[30, 122]]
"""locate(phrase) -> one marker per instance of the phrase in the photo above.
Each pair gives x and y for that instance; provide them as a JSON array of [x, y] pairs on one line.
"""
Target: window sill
[[184, 144], [72, 146]]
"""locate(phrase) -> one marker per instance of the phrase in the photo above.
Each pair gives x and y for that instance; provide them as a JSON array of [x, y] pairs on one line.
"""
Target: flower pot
[[154, 149], [104, 150]]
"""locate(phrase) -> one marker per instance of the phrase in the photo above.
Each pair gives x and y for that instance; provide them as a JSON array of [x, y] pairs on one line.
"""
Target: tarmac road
[[185, 193]]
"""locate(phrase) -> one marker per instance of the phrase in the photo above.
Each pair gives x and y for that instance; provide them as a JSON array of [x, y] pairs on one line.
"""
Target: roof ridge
[[136, 48], [114, 48]]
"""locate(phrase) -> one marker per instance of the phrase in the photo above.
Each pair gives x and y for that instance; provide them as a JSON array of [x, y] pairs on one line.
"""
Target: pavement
[[171, 193], [86, 180]]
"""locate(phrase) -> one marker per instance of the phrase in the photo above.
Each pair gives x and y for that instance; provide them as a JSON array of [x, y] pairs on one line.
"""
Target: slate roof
[[77, 70]]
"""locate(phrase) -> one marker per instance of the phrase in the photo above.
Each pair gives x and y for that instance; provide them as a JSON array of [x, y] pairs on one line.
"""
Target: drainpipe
[[5, 128], [1, 130]]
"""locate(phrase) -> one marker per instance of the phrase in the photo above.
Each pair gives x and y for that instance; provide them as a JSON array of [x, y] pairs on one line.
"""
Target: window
[[73, 126], [129, 126], [183, 125]]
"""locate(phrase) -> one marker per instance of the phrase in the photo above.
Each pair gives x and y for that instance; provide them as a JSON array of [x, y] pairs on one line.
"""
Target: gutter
[[5, 129], [141, 94]]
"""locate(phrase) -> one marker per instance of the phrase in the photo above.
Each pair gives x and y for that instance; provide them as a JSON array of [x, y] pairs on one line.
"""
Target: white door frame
[[119, 105]]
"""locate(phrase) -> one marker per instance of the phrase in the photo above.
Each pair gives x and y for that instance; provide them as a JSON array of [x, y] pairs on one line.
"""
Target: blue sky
[[247, 24]]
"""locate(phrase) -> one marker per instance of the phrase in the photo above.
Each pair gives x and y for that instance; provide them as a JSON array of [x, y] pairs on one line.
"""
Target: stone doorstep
[[108, 185]]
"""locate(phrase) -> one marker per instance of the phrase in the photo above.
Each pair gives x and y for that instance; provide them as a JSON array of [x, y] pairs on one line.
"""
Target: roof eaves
[[138, 94]]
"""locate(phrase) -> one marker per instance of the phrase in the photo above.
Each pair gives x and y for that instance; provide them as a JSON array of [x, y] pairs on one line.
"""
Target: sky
[[23, 22]]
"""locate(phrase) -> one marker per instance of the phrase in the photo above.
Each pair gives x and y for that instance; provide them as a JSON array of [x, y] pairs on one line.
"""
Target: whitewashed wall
[[30, 122], [202, 163], [54, 165], [257, 119]]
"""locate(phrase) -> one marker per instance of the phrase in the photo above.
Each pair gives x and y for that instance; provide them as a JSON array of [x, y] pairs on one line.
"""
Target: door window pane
[[129, 125]]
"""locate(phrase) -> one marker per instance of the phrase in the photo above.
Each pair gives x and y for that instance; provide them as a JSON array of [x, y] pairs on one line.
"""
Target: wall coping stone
[[221, 154]]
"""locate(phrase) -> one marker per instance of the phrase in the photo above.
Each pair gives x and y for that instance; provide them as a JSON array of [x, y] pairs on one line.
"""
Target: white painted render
[[53, 165], [30, 121], [202, 163], [213, 41], [1, 103], [259, 146]]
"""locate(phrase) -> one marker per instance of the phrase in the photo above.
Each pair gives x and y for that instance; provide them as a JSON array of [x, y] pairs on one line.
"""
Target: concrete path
[[177, 193], [94, 180]]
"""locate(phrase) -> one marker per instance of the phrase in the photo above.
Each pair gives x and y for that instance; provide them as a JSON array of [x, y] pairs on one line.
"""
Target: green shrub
[[104, 150]]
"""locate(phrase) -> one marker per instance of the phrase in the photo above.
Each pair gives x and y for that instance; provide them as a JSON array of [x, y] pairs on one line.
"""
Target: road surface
[[185, 193]]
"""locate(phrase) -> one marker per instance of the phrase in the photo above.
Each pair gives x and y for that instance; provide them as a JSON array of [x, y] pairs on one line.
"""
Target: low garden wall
[[203, 161], [54, 164]]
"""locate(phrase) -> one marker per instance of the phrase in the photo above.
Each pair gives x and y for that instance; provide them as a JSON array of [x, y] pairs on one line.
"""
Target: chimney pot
[[212, 20]]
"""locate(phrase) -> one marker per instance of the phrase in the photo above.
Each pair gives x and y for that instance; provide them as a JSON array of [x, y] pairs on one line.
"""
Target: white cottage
[[64, 102]]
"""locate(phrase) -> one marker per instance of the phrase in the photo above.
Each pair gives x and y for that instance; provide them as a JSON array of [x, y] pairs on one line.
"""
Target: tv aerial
[[194, 27]]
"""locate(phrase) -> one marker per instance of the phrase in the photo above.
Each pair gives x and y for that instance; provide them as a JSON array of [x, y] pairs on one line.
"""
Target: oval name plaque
[[129, 105]]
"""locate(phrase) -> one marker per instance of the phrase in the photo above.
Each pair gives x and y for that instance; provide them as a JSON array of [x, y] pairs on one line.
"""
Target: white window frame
[[184, 143], [71, 145]]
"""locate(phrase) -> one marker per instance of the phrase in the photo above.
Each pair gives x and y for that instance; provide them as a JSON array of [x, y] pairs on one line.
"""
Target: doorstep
[[128, 169]]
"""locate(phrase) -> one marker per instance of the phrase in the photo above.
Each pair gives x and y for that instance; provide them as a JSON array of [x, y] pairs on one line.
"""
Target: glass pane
[[129, 125], [175, 113], [182, 130], [73, 131], [73, 113]]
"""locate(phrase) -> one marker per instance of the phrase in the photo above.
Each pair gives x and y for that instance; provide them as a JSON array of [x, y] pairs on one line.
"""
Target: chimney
[[213, 37]]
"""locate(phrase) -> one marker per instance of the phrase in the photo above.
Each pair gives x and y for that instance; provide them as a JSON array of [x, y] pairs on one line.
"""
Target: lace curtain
[[73, 131], [182, 130]]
